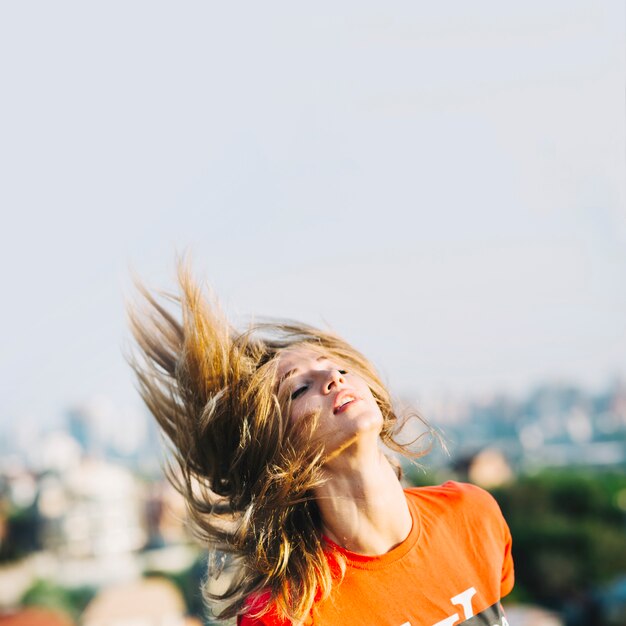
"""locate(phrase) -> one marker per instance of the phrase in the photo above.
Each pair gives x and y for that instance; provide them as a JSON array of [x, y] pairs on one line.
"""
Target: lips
[[344, 400]]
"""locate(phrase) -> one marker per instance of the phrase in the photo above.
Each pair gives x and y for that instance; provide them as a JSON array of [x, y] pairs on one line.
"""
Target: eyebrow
[[293, 370]]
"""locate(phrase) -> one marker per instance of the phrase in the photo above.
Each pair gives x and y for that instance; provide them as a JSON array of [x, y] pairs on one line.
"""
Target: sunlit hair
[[246, 473]]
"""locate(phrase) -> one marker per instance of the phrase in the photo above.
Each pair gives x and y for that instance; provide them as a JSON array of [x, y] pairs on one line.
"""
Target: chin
[[366, 422], [365, 428]]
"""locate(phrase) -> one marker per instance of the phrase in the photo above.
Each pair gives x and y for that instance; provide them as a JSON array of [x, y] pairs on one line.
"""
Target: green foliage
[[44, 593], [568, 532], [417, 475]]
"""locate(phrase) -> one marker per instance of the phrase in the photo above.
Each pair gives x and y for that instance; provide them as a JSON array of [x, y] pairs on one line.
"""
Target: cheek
[[295, 415], [367, 395], [300, 413]]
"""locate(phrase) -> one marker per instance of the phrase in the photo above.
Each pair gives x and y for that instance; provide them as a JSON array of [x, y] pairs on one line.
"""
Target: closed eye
[[298, 392]]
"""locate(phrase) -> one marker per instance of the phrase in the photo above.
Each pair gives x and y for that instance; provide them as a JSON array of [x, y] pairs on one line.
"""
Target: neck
[[363, 506]]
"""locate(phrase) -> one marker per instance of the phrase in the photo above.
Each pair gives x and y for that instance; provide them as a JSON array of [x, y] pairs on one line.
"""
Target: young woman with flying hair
[[277, 434]]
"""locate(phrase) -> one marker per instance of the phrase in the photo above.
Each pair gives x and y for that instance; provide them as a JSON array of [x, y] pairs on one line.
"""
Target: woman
[[277, 434]]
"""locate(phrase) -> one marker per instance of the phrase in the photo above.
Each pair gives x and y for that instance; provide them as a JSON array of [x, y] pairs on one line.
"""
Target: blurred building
[[93, 510], [553, 425], [166, 515]]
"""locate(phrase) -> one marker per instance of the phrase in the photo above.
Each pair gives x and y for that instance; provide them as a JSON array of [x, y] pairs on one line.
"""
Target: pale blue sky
[[441, 183]]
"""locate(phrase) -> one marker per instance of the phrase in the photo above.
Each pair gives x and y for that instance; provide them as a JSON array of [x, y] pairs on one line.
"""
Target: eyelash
[[298, 392], [302, 389]]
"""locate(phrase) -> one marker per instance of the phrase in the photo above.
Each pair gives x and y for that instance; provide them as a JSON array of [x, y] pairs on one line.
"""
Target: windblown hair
[[245, 472]]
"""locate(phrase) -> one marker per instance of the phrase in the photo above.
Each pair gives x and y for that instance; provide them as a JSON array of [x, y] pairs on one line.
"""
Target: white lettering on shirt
[[465, 600]]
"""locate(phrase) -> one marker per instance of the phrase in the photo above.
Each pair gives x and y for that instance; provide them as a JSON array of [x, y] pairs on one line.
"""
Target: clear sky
[[442, 183]]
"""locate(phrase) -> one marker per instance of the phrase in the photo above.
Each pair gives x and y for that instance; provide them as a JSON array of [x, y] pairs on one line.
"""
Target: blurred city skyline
[[445, 186]]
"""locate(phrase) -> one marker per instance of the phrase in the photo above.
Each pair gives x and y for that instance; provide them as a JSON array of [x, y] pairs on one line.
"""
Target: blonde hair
[[244, 470]]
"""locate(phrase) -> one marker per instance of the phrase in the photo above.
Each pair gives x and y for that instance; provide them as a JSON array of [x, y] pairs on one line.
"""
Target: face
[[315, 382]]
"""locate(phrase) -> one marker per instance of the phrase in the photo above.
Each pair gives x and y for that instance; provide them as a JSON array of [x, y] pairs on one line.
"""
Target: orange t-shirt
[[452, 569]]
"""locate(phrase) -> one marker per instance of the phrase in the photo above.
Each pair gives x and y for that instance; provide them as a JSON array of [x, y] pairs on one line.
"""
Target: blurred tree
[[569, 536], [44, 593]]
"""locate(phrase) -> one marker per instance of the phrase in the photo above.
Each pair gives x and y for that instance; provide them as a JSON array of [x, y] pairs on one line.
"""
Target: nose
[[333, 379]]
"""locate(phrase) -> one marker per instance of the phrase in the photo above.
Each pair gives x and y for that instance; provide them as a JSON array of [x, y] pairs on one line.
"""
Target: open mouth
[[345, 403]]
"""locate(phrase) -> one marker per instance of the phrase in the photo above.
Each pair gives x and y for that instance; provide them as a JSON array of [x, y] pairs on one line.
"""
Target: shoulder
[[471, 512], [462, 505], [449, 490], [455, 495]]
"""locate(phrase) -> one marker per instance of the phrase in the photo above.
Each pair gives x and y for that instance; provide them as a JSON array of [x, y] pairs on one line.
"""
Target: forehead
[[299, 357]]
